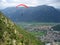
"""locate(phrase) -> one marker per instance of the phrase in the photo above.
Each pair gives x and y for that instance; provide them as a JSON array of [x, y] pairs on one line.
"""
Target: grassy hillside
[[10, 34]]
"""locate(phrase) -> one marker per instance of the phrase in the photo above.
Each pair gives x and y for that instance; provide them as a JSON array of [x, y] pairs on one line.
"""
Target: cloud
[[55, 3], [55, 0], [8, 3]]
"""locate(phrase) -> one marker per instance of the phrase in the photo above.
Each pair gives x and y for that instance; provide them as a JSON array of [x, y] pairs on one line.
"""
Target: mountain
[[41, 13], [10, 34]]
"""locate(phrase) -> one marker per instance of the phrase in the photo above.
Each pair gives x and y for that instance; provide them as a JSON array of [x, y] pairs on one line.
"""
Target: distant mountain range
[[41, 13]]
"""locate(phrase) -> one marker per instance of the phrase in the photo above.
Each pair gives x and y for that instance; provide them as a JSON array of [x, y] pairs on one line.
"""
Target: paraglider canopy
[[22, 5]]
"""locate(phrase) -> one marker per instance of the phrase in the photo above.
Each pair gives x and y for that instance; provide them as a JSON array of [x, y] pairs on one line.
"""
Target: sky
[[10, 3]]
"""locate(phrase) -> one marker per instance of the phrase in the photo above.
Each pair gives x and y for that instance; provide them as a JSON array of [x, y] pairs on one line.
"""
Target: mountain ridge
[[41, 13]]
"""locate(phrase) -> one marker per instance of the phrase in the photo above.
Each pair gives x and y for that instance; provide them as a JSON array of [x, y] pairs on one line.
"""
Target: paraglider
[[23, 6]]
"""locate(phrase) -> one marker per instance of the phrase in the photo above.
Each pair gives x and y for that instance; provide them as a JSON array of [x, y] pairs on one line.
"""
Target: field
[[37, 23]]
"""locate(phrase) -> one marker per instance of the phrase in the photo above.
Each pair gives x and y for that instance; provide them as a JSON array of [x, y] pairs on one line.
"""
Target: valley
[[42, 31]]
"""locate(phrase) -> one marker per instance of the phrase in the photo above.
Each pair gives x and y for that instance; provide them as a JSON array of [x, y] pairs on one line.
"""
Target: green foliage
[[38, 33], [10, 34]]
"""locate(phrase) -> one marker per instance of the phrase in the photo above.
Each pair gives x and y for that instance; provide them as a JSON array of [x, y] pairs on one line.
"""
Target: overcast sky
[[9, 3]]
